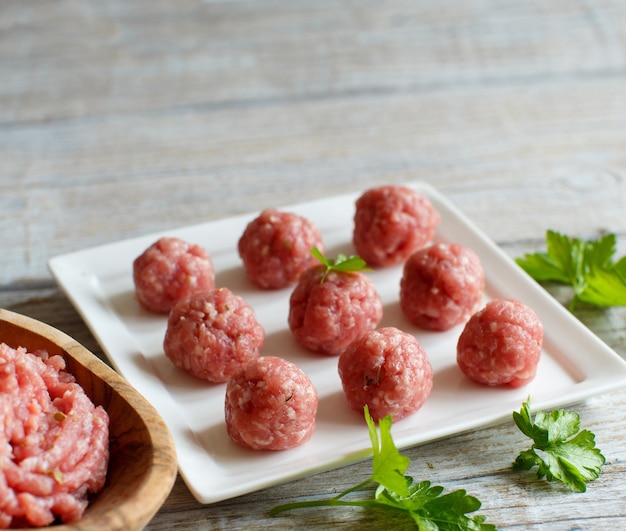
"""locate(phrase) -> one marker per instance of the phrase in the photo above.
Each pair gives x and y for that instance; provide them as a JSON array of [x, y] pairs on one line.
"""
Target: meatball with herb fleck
[[387, 370], [213, 334], [270, 405]]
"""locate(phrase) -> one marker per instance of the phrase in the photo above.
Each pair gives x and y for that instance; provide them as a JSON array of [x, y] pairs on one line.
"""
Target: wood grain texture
[[126, 118]]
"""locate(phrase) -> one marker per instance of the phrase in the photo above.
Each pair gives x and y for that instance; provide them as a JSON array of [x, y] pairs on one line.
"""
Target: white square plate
[[574, 365]]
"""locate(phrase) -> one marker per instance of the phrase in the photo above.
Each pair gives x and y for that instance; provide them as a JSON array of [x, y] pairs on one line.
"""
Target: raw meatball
[[169, 270], [501, 344], [390, 223], [442, 285], [327, 316], [213, 334], [276, 248], [388, 370], [270, 405]]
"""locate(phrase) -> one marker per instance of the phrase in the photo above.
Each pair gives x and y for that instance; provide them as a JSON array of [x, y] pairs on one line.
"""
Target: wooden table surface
[[123, 118]]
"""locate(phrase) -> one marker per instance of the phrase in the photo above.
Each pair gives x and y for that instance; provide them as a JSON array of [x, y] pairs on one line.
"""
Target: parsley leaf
[[341, 263], [388, 465], [586, 265], [429, 509], [560, 451]]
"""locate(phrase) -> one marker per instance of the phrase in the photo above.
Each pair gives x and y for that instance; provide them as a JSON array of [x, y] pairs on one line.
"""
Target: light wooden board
[[119, 119]]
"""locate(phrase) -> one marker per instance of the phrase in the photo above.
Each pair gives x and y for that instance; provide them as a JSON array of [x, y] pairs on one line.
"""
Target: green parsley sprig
[[341, 263], [559, 449], [429, 509], [586, 265]]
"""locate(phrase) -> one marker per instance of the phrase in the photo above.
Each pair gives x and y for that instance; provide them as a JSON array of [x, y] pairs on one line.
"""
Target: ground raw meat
[[213, 334], [390, 223], [276, 247], [270, 405], [169, 270], [327, 316], [501, 344], [54, 444], [442, 285], [388, 370]]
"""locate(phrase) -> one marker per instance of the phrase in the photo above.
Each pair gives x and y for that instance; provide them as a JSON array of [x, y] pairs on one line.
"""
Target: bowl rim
[[139, 508]]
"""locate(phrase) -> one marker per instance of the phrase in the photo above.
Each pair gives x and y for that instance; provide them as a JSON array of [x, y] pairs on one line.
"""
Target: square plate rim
[[74, 272]]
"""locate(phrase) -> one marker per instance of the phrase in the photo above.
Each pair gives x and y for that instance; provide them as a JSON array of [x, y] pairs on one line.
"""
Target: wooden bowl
[[142, 463]]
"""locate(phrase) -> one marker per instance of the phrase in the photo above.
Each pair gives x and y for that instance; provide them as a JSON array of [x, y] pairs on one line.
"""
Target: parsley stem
[[332, 502], [353, 489]]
